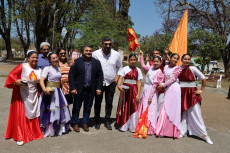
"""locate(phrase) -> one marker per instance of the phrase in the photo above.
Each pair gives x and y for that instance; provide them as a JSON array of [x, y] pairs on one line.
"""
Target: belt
[[129, 81], [148, 83], [53, 84], [187, 84], [87, 87]]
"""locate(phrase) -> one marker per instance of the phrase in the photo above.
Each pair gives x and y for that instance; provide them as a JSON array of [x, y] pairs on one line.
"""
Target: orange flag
[[132, 39], [180, 38]]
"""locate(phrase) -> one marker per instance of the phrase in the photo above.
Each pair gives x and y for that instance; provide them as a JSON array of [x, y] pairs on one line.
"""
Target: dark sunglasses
[[62, 53], [45, 49], [106, 44]]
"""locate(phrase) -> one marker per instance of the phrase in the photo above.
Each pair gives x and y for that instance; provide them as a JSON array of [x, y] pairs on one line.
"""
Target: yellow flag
[[179, 42]]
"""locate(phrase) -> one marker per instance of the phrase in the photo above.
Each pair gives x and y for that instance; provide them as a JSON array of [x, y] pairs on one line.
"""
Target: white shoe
[[181, 136], [20, 143], [208, 140]]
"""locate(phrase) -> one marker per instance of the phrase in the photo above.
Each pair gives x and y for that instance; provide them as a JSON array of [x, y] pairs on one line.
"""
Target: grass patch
[[3, 75]]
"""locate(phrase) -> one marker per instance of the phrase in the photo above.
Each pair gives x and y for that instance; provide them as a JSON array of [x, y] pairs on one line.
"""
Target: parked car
[[217, 70]]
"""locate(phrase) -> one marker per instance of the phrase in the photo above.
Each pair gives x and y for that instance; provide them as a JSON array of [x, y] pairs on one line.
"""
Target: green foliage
[[205, 44], [200, 61], [155, 42], [98, 22], [15, 43]]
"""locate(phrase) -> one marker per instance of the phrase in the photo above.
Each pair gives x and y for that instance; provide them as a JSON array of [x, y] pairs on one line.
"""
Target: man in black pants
[[111, 64], [86, 80]]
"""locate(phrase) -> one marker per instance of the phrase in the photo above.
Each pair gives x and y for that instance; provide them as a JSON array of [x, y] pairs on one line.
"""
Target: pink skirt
[[165, 127]]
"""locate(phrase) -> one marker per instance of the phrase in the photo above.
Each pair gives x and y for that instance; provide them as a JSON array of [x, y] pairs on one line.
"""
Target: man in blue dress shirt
[[42, 58]]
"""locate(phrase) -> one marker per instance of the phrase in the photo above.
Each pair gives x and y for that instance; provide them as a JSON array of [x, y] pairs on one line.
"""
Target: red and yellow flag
[[132, 39], [179, 42]]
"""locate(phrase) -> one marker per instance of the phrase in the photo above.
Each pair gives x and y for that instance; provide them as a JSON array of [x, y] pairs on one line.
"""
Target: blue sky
[[145, 17]]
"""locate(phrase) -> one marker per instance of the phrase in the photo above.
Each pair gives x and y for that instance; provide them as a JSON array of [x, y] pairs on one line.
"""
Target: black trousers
[[109, 94]]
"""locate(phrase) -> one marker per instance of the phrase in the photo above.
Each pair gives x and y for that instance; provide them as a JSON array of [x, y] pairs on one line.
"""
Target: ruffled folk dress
[[152, 80], [170, 115], [190, 102], [23, 124], [127, 105], [55, 114]]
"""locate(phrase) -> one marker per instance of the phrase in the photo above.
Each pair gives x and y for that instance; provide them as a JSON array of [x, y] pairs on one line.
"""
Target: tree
[[211, 15], [155, 42], [202, 62], [5, 24], [22, 22], [100, 21], [205, 44], [170, 26], [69, 19]]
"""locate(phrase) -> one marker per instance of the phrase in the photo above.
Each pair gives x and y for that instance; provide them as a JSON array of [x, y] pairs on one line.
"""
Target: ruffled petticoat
[[55, 114]]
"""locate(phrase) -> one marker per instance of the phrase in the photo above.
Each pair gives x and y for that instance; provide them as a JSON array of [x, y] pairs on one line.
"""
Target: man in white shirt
[[111, 64]]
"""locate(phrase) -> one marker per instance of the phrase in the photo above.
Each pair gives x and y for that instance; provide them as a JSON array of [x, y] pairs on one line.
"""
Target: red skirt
[[188, 98], [128, 106], [19, 127]]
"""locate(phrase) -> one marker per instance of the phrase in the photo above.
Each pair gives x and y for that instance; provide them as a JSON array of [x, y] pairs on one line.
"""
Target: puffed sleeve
[[13, 76], [122, 72], [140, 76], [158, 79], [45, 72], [197, 73]]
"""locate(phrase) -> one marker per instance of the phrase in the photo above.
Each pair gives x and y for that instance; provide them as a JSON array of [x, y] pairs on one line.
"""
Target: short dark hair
[[59, 50], [173, 54], [158, 57], [156, 50], [49, 56], [106, 39], [133, 55], [184, 56], [82, 49]]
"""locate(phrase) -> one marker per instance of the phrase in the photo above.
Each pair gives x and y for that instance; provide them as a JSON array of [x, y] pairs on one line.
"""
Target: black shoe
[[97, 126], [108, 126]]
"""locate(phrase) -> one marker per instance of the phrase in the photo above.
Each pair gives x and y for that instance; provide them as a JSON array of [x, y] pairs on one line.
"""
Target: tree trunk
[[8, 47], [227, 68], [169, 11]]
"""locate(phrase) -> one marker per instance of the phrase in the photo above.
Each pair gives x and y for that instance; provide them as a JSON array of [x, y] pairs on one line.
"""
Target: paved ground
[[215, 109]]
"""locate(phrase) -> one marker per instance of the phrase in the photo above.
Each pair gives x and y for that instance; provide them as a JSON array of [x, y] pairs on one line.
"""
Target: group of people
[[47, 83], [169, 96]]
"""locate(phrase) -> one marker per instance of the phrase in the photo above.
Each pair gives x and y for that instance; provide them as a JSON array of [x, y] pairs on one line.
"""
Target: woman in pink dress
[[149, 94], [128, 101], [170, 115], [192, 120]]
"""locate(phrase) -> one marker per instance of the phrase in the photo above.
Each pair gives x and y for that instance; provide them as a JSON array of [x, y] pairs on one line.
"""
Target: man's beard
[[106, 49], [86, 57]]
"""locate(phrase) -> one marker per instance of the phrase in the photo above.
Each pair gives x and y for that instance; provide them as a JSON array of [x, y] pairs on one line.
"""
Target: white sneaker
[[20, 143], [208, 140], [181, 136]]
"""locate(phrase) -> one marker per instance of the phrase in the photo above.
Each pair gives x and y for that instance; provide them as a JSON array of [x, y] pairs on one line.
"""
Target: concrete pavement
[[215, 109]]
